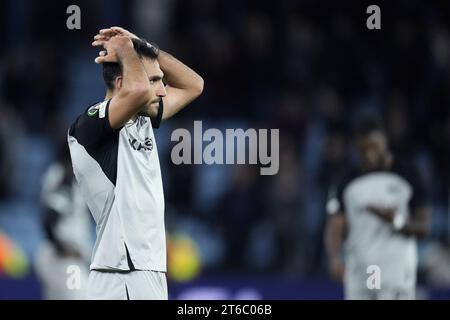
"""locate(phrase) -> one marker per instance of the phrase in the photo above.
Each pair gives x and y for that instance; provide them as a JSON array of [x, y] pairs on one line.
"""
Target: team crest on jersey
[[100, 108], [92, 111]]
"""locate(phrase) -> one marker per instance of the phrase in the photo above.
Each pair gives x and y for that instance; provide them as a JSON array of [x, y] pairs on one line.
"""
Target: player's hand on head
[[114, 47], [123, 32], [107, 33]]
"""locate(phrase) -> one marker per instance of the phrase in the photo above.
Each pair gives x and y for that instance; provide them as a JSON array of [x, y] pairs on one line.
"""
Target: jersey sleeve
[[156, 121], [92, 126]]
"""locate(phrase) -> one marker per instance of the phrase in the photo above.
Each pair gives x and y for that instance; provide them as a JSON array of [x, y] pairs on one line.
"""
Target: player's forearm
[[415, 229], [387, 214], [419, 226], [134, 77], [333, 248], [334, 237], [179, 75]]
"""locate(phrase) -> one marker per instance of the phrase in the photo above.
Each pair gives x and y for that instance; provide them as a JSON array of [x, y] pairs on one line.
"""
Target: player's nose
[[161, 92]]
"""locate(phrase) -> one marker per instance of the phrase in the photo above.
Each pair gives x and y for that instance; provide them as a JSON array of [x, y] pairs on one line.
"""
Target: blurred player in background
[[67, 227], [377, 211], [115, 161]]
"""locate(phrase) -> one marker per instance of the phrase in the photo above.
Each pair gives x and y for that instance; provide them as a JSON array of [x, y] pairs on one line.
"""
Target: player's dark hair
[[366, 125], [112, 70]]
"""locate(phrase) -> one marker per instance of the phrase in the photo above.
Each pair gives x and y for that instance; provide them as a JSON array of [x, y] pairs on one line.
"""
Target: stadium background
[[305, 67]]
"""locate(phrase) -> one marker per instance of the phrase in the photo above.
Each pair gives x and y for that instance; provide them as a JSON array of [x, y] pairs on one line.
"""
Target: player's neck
[[109, 94], [388, 161], [385, 164]]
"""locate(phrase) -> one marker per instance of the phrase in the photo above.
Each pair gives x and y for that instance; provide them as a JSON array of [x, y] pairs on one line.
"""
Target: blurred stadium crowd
[[306, 68]]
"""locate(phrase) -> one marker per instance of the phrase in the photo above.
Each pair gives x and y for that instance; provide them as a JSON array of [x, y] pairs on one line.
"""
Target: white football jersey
[[370, 240], [120, 178]]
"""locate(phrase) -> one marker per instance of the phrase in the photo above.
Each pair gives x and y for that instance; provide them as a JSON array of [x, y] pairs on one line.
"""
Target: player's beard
[[143, 113], [149, 110]]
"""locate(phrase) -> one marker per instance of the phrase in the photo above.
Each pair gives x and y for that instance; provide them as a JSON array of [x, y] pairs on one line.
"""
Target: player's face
[[372, 149], [155, 76]]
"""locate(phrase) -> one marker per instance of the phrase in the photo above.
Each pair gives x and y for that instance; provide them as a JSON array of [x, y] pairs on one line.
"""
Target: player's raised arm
[[183, 84], [132, 89], [417, 225]]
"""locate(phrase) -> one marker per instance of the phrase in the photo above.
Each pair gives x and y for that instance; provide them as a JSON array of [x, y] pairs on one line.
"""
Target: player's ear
[[118, 82]]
